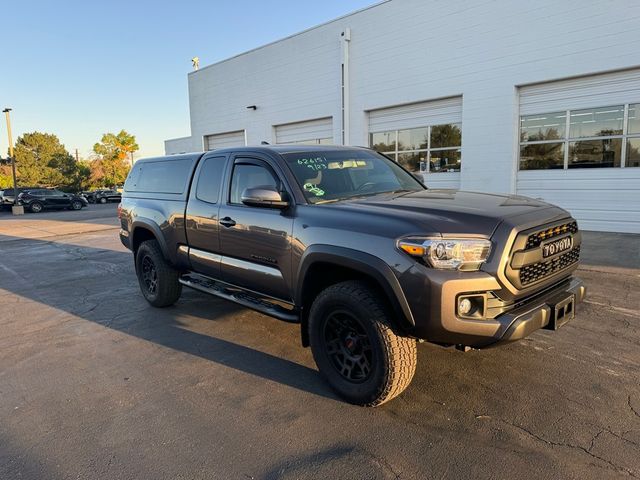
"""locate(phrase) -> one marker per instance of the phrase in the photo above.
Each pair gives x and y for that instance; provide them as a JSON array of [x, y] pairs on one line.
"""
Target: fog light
[[464, 306]]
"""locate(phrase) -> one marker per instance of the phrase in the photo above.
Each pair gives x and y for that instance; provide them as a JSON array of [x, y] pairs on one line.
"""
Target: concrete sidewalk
[[610, 252]]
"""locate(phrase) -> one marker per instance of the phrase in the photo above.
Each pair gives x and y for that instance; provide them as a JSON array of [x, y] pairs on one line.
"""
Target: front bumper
[[436, 319], [539, 313]]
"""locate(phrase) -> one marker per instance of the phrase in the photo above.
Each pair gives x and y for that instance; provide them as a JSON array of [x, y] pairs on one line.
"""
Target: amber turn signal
[[413, 249]]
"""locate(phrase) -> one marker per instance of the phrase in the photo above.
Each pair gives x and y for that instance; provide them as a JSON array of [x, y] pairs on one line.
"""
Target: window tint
[[414, 139], [546, 126], [430, 149], [596, 138], [541, 156], [595, 153], [164, 176], [249, 176], [634, 118], [633, 152], [383, 141], [209, 179], [597, 122]]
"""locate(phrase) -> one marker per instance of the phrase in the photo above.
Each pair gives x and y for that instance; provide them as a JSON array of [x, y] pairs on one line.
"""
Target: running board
[[239, 296]]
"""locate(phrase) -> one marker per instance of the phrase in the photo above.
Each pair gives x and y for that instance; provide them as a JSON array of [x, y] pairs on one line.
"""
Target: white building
[[536, 98]]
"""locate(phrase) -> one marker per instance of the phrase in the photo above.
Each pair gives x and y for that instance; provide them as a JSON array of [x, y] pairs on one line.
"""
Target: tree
[[118, 146], [111, 166], [42, 160]]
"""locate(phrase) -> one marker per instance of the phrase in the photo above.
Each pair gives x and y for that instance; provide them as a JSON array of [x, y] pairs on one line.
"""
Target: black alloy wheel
[[149, 275], [348, 346]]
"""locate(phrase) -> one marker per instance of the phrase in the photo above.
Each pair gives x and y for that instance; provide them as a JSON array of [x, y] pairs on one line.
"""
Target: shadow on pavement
[[119, 305]]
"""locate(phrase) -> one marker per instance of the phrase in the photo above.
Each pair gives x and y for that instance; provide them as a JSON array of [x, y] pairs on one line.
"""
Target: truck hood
[[456, 212]]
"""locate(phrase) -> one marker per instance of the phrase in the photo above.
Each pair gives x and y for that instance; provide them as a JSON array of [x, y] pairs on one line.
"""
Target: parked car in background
[[89, 196], [7, 196], [104, 196], [40, 199]]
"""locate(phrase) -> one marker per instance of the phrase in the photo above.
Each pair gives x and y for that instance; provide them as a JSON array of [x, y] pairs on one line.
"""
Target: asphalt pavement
[[96, 384]]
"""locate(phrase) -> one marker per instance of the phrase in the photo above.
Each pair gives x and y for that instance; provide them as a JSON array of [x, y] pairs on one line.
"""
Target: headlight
[[448, 253]]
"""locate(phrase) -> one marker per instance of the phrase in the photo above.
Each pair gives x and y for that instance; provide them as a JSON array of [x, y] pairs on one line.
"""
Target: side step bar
[[237, 295]]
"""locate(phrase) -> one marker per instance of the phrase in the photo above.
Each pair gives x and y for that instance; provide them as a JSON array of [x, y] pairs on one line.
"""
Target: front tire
[[157, 278], [36, 207], [103, 200], [355, 347], [76, 205]]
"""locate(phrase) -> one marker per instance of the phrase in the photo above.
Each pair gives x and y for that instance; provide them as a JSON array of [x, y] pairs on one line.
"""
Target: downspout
[[346, 93]]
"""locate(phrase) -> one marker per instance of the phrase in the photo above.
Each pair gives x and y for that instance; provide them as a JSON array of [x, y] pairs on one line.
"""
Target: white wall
[[414, 50], [181, 145]]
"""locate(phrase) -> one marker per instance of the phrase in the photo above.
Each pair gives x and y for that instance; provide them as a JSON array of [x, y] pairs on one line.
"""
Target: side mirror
[[264, 196]]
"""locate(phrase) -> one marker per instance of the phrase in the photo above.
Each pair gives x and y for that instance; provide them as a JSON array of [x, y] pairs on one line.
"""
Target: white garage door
[[580, 148], [424, 137], [224, 140], [311, 132]]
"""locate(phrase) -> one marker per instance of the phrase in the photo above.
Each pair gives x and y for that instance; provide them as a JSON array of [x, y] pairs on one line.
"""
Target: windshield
[[333, 175]]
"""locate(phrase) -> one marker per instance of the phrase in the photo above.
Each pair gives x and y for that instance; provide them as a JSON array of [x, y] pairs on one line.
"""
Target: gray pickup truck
[[355, 249]]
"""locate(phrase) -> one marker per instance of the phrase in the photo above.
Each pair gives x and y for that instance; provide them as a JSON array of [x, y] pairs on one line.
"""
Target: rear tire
[[36, 207], [157, 278], [355, 347]]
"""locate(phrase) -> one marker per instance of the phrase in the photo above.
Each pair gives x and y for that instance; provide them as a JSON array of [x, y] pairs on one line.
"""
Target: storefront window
[[431, 149], [586, 138]]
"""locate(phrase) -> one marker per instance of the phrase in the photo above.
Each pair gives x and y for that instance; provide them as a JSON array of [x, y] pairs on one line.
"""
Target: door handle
[[227, 222]]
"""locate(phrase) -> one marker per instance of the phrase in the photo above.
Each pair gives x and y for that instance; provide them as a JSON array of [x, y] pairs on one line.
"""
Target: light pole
[[16, 210]]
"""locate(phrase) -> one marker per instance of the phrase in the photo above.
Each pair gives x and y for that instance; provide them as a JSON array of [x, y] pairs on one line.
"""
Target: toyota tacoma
[[357, 251]]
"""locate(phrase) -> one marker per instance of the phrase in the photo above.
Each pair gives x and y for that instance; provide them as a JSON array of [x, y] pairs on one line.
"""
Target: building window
[[427, 149], [587, 138]]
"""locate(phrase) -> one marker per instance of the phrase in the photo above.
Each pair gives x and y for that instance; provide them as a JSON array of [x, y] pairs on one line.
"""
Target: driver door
[[58, 199], [255, 242]]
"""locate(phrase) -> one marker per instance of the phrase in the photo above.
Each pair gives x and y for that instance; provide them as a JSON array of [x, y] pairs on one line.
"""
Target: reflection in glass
[[383, 141], [595, 153], [445, 161], [443, 136], [325, 141], [596, 122], [634, 118], [545, 126], [414, 139], [412, 161], [412, 147], [633, 153], [542, 156]]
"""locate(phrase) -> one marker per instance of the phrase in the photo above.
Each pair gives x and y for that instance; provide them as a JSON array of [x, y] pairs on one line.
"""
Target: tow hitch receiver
[[562, 310]]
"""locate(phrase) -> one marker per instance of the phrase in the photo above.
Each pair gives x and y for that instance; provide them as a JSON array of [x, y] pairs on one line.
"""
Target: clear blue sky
[[82, 68]]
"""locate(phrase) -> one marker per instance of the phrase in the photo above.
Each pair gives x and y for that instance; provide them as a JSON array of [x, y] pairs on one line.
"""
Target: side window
[[209, 179], [249, 176]]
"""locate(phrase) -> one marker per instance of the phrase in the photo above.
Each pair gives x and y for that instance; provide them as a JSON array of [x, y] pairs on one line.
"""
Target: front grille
[[535, 239], [537, 271]]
